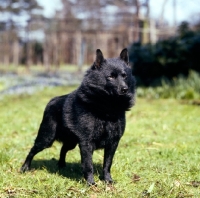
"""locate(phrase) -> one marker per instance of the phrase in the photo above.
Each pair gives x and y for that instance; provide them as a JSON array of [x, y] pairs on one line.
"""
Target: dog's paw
[[108, 178], [92, 184], [110, 181], [24, 168], [90, 181]]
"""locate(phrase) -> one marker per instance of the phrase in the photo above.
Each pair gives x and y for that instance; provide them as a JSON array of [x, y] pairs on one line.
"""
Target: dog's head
[[110, 79], [114, 73]]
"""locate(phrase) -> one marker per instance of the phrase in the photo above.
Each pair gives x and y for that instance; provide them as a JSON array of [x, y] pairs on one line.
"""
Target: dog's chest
[[104, 131]]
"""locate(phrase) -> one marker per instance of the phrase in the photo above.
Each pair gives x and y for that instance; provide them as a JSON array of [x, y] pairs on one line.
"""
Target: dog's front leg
[[109, 152], [86, 151]]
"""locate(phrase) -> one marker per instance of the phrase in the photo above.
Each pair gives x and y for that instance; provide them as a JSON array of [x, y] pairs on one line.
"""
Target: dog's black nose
[[124, 90]]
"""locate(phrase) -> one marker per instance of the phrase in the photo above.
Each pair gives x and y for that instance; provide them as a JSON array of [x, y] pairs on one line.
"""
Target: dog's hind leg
[[34, 150], [45, 138], [65, 148]]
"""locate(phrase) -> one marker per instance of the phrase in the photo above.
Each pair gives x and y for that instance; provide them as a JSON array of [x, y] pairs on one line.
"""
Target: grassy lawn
[[21, 69], [158, 156]]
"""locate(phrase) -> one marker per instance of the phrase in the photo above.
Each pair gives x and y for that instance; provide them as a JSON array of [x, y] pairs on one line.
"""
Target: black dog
[[93, 116]]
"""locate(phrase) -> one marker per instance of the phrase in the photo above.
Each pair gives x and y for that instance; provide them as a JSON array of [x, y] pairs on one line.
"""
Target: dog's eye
[[124, 75], [110, 77]]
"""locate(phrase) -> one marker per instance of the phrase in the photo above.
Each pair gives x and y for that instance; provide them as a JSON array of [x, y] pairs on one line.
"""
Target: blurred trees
[[74, 32], [106, 24], [9, 9], [10, 29], [17, 7]]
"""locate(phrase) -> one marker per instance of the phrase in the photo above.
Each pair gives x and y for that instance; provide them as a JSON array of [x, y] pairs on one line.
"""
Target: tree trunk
[[6, 50], [136, 22], [162, 12], [16, 53]]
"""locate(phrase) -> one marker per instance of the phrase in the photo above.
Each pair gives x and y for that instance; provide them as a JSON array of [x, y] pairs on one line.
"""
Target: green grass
[[158, 156], [179, 88], [22, 69]]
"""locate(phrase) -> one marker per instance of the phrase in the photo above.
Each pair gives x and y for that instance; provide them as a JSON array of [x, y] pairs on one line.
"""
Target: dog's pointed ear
[[99, 58], [124, 55]]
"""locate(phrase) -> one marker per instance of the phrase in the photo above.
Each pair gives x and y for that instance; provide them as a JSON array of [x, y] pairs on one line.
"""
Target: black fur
[[93, 116]]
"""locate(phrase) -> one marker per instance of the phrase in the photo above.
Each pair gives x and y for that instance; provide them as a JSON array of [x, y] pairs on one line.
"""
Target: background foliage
[[167, 58]]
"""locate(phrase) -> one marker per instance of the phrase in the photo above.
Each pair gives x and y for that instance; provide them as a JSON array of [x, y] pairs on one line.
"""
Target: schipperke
[[93, 116]]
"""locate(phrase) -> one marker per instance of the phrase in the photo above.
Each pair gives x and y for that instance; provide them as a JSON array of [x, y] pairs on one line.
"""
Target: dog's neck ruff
[[103, 102]]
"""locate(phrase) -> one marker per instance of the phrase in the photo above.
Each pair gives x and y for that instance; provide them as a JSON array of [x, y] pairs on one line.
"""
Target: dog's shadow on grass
[[72, 170]]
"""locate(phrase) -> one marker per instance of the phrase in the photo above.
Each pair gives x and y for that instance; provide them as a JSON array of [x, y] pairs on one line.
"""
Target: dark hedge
[[167, 58]]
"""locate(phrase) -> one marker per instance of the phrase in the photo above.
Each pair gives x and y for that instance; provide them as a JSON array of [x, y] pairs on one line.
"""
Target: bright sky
[[50, 6], [185, 9]]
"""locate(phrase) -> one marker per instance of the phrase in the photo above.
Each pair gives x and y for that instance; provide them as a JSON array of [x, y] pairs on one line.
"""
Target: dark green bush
[[167, 58]]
